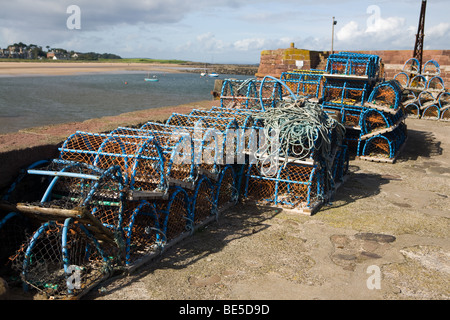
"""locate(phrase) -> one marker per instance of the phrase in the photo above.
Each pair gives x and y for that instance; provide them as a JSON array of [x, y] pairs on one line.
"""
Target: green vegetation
[[21, 52], [145, 60]]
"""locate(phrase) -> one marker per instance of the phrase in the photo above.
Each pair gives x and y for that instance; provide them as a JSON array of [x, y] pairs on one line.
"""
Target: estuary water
[[32, 101]]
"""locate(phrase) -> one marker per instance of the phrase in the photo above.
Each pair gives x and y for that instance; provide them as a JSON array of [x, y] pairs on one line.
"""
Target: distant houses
[[16, 52], [23, 51], [57, 55]]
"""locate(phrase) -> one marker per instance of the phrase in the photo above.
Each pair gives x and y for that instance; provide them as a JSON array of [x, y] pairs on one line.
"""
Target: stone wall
[[275, 62]]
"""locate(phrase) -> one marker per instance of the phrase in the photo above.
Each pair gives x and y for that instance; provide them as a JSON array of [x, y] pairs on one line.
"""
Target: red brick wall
[[273, 64], [401, 56]]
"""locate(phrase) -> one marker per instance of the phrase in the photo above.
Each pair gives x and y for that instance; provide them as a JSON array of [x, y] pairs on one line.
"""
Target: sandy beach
[[71, 68]]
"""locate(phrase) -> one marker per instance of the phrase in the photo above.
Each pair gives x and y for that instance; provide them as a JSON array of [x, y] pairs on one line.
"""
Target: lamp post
[[332, 35]]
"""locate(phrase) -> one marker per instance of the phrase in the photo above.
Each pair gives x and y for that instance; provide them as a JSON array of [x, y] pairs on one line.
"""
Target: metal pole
[[332, 35]]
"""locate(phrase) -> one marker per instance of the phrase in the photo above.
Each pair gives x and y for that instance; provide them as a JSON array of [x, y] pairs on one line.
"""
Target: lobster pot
[[445, 114], [253, 112], [209, 145], [82, 147], [139, 158], [202, 200], [294, 186], [426, 99], [355, 64], [61, 260], [225, 189], [411, 66], [164, 139], [141, 161], [143, 231], [403, 79], [219, 123], [409, 96], [157, 126], [387, 96], [243, 120], [268, 94], [383, 147], [436, 84], [175, 217], [214, 135], [412, 110], [177, 151], [374, 121], [351, 117], [238, 94], [431, 68], [298, 186], [72, 187], [345, 93], [258, 186], [444, 106], [303, 83], [418, 83], [431, 112]]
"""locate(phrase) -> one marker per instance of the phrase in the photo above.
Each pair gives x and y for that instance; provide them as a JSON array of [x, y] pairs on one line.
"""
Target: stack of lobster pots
[[425, 91], [112, 201], [370, 108], [309, 163]]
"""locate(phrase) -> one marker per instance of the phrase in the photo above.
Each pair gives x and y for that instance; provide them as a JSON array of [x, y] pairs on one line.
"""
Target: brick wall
[[275, 62]]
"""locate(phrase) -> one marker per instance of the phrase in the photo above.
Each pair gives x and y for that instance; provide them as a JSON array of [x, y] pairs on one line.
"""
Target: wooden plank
[[409, 101], [346, 76], [380, 108], [429, 103], [146, 195], [79, 214], [377, 159], [57, 214], [385, 130], [214, 176], [384, 160]]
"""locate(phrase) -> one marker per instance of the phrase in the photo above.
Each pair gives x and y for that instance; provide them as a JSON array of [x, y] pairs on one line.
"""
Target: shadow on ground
[[239, 222]]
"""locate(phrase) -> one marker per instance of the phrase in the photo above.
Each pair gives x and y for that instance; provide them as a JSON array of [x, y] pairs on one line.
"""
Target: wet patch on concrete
[[348, 251]]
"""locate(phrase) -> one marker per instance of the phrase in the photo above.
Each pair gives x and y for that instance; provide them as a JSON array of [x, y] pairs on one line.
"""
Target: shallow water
[[31, 101]]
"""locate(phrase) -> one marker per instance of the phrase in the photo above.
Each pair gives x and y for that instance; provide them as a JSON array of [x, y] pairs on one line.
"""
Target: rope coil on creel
[[303, 128]]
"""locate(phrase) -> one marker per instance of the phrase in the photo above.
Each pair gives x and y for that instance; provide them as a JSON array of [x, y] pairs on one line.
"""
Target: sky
[[220, 31]]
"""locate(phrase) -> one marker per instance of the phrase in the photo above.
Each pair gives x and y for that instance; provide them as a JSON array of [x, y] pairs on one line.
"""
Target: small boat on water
[[213, 75], [153, 79]]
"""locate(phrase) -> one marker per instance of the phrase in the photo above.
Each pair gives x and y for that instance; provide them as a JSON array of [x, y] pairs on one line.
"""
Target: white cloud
[[440, 30], [380, 33], [249, 44], [208, 42], [388, 25], [438, 36], [349, 32], [228, 29]]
